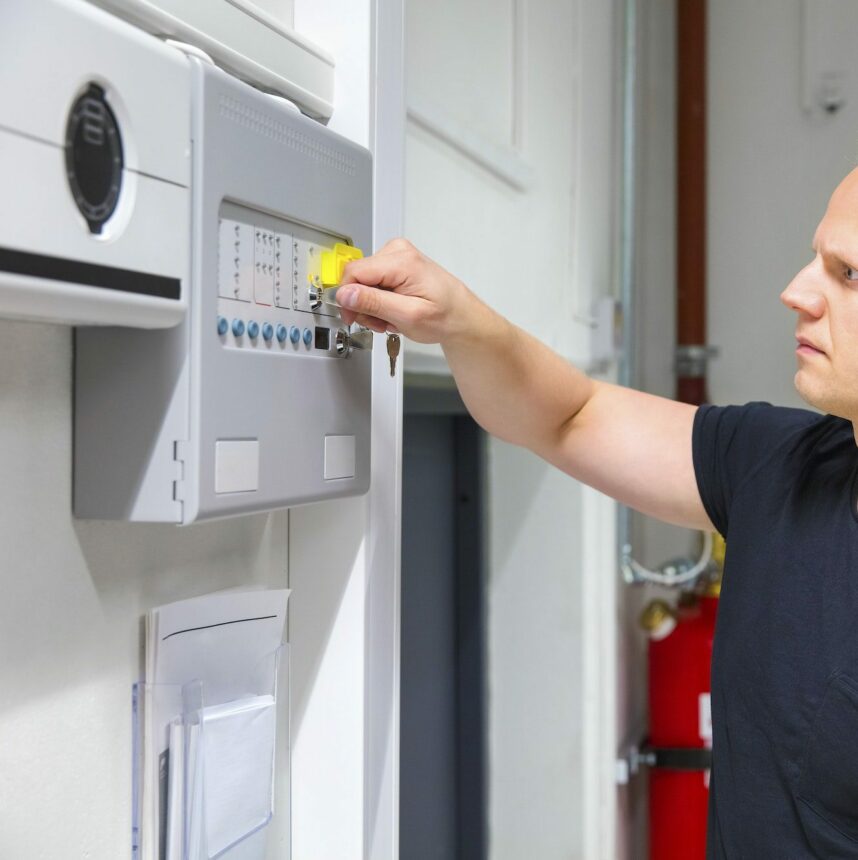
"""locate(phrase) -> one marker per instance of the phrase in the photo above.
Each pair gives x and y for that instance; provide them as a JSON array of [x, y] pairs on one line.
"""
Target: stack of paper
[[209, 722]]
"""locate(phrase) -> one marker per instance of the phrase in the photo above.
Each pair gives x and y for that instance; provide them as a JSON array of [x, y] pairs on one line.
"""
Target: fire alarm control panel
[[261, 397]]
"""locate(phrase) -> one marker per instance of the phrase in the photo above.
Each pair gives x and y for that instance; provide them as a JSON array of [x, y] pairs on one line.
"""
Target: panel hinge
[[180, 456]]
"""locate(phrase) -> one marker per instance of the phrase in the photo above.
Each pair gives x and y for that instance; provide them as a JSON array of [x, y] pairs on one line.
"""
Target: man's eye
[[851, 274]]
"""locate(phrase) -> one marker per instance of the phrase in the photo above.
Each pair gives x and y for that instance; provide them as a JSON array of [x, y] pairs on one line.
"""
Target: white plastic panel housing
[[53, 267], [152, 414]]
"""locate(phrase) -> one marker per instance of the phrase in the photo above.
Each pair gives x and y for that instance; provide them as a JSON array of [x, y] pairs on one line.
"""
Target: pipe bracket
[[692, 360]]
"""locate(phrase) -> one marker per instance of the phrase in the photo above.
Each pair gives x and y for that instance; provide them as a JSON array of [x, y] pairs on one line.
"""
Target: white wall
[[772, 168], [73, 593], [72, 597]]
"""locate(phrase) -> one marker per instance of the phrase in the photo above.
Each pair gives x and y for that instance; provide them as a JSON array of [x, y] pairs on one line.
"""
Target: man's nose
[[805, 293]]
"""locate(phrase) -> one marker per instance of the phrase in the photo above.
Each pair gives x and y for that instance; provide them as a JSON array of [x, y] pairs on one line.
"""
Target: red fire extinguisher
[[680, 727]]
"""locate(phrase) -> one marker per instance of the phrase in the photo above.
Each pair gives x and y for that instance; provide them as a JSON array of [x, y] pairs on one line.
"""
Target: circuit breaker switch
[[334, 262]]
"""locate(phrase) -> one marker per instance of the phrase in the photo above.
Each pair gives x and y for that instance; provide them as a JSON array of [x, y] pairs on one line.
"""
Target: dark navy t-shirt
[[780, 485]]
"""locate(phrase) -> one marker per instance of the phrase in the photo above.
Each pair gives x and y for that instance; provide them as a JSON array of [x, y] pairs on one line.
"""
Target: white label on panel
[[307, 260], [235, 260], [339, 457], [229, 260], [263, 273], [236, 465], [283, 264]]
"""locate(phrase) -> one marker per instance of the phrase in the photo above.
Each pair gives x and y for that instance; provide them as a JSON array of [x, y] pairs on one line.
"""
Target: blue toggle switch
[[222, 325], [267, 331], [238, 327], [294, 334], [282, 333], [253, 329], [308, 336]]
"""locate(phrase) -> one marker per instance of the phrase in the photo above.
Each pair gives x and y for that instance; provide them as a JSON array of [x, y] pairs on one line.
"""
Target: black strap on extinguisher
[[678, 758]]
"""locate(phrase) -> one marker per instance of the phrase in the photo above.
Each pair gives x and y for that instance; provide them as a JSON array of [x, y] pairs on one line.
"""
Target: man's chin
[[810, 393], [825, 400]]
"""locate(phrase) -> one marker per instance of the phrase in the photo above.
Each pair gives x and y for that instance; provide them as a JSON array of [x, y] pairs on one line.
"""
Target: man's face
[[824, 294]]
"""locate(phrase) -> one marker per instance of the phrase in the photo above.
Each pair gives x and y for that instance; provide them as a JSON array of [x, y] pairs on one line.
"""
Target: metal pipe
[[676, 571], [628, 246], [691, 201]]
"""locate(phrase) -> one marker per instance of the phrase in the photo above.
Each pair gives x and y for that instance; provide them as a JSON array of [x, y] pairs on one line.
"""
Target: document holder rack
[[207, 755]]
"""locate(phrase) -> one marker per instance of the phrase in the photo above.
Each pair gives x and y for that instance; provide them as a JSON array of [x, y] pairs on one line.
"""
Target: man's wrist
[[470, 320]]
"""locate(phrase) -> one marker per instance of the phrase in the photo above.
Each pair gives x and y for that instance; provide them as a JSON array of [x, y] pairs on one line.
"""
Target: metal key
[[393, 347]]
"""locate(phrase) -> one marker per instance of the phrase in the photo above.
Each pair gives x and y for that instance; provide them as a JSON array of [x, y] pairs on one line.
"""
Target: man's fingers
[[390, 269], [381, 304], [394, 246], [348, 317], [374, 323]]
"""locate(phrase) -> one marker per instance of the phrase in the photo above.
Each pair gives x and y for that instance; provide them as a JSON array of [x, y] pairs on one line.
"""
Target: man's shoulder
[[761, 448], [744, 437], [758, 419]]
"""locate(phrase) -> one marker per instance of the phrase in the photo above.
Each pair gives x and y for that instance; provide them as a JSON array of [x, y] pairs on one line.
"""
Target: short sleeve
[[730, 442]]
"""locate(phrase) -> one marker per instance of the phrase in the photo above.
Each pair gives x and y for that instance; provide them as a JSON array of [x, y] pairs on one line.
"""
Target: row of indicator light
[[268, 331]]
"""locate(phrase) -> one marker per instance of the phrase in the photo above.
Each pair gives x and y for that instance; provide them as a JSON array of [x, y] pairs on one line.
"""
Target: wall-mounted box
[[251, 404], [246, 41], [94, 168]]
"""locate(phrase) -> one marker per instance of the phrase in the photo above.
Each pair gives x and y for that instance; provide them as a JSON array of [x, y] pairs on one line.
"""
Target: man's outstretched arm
[[633, 446]]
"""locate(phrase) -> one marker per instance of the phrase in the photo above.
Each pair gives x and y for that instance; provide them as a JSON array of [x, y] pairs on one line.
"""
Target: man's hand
[[399, 290], [630, 445]]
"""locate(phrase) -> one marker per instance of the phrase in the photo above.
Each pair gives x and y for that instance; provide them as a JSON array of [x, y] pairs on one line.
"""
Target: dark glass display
[[323, 338], [94, 157]]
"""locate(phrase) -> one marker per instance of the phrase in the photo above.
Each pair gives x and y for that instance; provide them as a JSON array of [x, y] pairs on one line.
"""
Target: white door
[[510, 184]]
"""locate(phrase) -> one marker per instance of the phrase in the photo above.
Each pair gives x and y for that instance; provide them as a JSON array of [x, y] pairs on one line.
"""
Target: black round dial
[[94, 157]]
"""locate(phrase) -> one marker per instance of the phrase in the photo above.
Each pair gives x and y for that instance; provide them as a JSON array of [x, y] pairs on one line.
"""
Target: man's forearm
[[629, 445], [514, 386]]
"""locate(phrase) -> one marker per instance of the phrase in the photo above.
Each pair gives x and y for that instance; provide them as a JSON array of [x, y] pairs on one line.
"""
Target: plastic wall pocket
[[334, 262], [205, 789]]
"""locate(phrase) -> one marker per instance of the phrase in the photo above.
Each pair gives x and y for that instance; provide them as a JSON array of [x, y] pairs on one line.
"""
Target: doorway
[[443, 703]]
